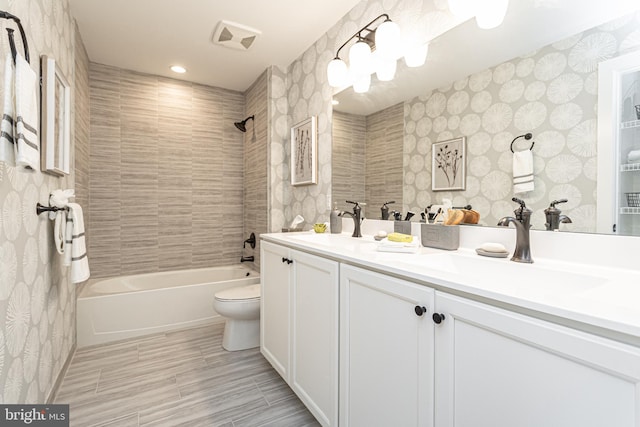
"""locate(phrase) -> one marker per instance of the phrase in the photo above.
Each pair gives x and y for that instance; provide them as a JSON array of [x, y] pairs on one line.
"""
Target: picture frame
[[304, 163], [55, 119], [448, 165]]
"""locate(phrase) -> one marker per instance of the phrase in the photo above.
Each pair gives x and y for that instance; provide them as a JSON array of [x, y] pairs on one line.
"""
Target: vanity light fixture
[[376, 50], [178, 69], [489, 13]]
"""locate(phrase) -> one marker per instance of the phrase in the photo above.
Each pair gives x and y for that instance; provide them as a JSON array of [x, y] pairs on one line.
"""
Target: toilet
[[241, 307]]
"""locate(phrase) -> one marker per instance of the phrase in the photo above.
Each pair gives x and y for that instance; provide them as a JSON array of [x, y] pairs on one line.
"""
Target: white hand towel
[[6, 138], [522, 171], [60, 230], [26, 112], [633, 156], [77, 256]]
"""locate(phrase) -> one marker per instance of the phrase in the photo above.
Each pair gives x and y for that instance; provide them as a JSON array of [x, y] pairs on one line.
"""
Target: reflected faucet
[[356, 218], [553, 216], [522, 221]]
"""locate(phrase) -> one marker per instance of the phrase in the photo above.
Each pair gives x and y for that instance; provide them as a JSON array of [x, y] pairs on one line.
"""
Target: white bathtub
[[130, 306]]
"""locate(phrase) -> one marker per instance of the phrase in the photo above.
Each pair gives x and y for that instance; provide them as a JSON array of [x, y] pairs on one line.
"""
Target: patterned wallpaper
[[37, 301], [553, 94], [166, 174], [304, 92]]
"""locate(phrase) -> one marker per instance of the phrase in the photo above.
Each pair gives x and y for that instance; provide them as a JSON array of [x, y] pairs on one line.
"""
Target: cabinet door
[[275, 276], [314, 373], [499, 368], [386, 351]]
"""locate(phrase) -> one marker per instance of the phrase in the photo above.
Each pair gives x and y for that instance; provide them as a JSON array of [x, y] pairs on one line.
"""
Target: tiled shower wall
[[37, 300], [255, 164], [367, 159], [166, 174], [349, 135]]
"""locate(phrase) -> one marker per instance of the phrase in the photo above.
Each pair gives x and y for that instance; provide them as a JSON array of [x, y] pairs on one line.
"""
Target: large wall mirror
[[537, 73]]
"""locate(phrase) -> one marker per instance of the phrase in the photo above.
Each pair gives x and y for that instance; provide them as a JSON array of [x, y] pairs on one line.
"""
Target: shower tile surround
[[166, 174], [37, 300]]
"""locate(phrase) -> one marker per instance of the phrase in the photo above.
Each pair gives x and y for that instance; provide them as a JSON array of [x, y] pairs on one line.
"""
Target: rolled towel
[[26, 147], [523, 171], [633, 156], [6, 138]]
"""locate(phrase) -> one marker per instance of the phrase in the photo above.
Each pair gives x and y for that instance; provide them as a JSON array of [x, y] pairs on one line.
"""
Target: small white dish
[[482, 252]]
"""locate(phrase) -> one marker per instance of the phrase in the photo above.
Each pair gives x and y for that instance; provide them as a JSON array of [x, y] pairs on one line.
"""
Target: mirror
[[512, 80], [55, 126]]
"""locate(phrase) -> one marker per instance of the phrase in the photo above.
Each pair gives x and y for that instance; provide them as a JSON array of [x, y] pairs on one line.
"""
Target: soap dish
[[482, 252]]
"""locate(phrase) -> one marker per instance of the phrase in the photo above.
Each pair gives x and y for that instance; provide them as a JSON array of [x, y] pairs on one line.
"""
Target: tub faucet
[[356, 218], [554, 217], [522, 222], [246, 258]]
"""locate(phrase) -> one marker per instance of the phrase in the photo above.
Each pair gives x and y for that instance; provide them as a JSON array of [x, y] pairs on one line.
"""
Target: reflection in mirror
[[549, 89]]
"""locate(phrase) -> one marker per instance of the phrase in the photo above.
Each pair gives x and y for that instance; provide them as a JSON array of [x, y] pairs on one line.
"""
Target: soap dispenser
[[335, 221]]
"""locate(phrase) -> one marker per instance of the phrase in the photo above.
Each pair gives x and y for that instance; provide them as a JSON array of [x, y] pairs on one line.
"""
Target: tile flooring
[[182, 378]]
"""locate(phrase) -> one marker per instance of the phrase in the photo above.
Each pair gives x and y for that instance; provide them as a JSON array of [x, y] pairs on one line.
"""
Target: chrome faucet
[[356, 218], [553, 216], [522, 221]]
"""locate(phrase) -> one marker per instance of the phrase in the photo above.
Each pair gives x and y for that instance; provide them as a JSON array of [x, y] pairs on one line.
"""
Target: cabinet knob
[[420, 310], [284, 259], [287, 260], [437, 318]]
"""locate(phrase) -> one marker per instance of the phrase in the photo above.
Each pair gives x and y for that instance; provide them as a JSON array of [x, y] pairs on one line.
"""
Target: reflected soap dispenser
[[335, 220]]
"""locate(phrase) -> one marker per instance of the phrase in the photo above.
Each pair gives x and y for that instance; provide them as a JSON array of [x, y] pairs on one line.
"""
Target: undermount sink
[[503, 273]]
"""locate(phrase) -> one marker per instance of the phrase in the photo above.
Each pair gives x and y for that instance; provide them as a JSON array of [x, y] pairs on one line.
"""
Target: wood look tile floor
[[181, 378]]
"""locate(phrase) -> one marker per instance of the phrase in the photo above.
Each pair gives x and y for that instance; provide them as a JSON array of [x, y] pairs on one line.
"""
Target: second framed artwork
[[448, 167], [304, 163]]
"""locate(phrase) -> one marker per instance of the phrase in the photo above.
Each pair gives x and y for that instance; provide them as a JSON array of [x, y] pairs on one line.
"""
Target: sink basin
[[502, 274]]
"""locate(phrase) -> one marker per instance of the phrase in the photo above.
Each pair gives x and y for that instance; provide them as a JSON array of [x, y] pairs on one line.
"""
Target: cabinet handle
[[287, 260], [437, 318], [420, 310]]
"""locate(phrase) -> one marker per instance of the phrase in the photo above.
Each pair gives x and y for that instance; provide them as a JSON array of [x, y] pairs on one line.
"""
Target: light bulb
[[337, 73], [490, 13], [360, 60], [386, 69], [416, 55], [462, 9], [362, 84], [387, 39]]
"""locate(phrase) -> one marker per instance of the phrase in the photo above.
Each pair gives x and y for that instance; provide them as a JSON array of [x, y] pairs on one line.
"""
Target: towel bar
[[7, 15], [40, 208]]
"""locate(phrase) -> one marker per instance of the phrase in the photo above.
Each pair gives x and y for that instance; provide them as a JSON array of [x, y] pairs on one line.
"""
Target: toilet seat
[[241, 293]]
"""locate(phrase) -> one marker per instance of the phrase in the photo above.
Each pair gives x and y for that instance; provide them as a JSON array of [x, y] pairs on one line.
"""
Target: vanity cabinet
[[386, 350], [299, 325], [499, 368]]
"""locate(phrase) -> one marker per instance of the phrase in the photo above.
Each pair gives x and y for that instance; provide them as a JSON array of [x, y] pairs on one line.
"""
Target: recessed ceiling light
[[178, 69]]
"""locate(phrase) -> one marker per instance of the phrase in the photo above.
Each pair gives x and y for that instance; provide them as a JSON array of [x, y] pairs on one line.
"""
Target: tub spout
[[246, 258]]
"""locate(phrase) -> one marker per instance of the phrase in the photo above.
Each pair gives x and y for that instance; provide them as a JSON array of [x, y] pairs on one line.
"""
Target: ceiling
[[151, 35]]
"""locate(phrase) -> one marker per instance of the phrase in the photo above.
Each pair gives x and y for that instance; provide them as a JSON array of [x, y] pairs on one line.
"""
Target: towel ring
[[526, 136]]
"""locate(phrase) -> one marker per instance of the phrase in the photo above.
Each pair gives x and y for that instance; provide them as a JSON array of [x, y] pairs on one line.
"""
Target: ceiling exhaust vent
[[235, 36]]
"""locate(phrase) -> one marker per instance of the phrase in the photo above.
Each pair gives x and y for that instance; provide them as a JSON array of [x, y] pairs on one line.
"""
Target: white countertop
[[593, 295]]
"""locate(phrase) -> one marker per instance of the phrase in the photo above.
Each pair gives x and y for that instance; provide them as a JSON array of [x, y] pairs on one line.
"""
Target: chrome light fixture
[[376, 50]]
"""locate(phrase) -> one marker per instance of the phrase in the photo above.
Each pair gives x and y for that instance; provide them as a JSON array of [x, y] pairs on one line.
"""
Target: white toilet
[[241, 307]]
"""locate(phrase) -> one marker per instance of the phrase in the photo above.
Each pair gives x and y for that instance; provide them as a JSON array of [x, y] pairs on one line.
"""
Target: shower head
[[242, 125]]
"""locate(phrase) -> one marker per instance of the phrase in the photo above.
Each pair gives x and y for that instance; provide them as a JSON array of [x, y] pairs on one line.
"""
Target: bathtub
[[131, 306]]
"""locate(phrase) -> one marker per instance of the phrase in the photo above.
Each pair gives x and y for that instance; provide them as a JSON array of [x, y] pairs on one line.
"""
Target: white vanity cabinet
[[386, 350], [299, 325], [499, 368]]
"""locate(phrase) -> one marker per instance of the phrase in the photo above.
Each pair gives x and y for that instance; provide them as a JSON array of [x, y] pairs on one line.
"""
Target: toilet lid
[[239, 293]]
